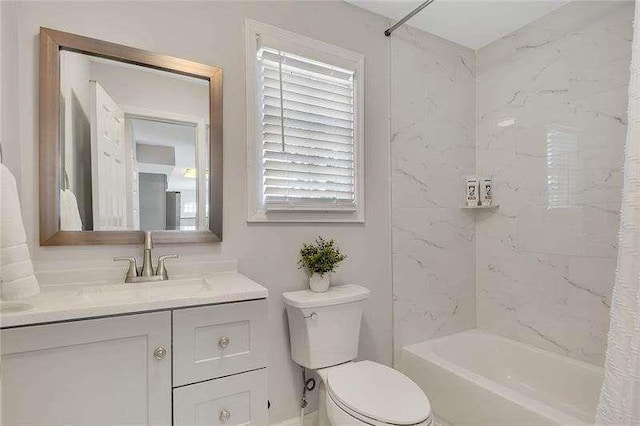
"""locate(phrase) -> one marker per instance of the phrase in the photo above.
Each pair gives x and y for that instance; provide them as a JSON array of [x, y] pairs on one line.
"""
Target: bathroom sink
[[12, 307], [144, 291]]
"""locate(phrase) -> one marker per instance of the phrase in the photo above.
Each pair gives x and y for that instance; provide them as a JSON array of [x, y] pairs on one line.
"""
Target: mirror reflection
[[134, 147]]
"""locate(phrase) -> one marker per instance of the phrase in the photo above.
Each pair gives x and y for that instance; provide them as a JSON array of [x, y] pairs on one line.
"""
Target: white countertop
[[88, 300]]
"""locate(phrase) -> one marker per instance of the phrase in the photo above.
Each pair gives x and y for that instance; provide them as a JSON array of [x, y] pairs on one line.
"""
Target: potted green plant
[[320, 259]]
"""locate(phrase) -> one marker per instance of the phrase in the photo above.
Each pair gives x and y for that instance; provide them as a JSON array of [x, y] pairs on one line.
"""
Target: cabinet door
[[233, 400], [216, 341], [93, 372]]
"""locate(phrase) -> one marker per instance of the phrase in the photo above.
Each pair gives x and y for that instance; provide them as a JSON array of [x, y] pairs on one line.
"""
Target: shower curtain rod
[[415, 11]]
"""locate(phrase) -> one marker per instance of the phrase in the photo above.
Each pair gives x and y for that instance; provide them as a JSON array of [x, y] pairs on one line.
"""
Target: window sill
[[330, 216]]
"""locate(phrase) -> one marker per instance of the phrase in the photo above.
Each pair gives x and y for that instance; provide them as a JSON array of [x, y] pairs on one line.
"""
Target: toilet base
[[323, 418]]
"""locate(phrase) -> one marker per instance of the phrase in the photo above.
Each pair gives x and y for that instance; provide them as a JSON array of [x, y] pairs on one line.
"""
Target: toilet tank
[[324, 328]]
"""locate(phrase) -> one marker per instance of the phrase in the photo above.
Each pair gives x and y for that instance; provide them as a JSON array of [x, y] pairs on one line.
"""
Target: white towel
[[20, 289], [69, 213], [16, 271], [13, 254], [10, 213]]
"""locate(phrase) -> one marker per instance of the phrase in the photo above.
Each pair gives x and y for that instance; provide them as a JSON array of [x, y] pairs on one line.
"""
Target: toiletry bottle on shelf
[[487, 196], [472, 190]]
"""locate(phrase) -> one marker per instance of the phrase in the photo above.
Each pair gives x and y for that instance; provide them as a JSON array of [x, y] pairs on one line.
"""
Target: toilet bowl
[[324, 332], [368, 393]]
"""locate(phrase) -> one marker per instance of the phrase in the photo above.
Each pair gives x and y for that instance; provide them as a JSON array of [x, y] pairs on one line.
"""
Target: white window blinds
[[307, 118]]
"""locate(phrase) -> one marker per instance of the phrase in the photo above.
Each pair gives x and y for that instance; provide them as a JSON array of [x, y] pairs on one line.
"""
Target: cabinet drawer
[[216, 341], [233, 400]]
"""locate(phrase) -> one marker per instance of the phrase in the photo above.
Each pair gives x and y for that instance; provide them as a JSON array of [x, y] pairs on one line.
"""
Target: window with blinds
[[307, 120]]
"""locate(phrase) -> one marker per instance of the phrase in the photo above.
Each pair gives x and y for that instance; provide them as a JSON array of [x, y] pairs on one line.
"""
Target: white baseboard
[[310, 419]]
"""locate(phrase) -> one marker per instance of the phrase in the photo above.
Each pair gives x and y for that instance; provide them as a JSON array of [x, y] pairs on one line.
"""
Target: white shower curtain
[[620, 395]]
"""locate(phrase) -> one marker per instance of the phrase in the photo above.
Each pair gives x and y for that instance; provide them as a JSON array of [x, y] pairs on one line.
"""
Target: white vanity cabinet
[[123, 370], [98, 372]]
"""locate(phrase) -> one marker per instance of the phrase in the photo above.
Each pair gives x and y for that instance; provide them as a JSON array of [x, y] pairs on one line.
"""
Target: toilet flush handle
[[312, 315]]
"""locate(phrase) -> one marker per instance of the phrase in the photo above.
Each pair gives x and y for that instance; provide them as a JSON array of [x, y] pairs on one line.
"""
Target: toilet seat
[[340, 415], [377, 395]]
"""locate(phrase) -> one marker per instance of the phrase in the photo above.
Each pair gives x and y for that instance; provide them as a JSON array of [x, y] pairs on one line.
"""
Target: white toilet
[[325, 330]]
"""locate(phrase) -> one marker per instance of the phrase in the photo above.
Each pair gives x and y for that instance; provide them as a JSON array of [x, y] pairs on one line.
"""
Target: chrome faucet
[[147, 266], [147, 272]]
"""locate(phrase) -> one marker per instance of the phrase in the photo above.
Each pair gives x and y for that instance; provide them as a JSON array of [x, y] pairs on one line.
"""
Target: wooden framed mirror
[[130, 141]]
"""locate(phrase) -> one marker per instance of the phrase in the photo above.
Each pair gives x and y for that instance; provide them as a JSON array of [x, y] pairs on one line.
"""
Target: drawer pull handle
[[225, 416], [159, 353], [223, 342]]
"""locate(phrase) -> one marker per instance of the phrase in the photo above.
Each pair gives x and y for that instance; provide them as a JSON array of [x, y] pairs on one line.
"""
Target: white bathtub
[[479, 378]]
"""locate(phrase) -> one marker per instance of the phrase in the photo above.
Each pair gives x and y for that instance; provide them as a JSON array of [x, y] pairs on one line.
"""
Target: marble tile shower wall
[[546, 259], [432, 149], [540, 269]]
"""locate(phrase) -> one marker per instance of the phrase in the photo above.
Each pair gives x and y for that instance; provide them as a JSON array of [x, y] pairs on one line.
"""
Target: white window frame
[[323, 52]]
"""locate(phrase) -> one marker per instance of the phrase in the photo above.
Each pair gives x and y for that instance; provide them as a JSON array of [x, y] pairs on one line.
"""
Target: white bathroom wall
[[213, 33], [9, 133], [432, 149], [546, 259], [1, 62]]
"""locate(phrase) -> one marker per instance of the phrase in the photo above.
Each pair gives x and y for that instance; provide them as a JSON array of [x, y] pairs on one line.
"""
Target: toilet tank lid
[[336, 295]]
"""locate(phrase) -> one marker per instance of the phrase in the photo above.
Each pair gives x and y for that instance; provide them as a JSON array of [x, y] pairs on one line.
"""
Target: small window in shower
[[562, 160]]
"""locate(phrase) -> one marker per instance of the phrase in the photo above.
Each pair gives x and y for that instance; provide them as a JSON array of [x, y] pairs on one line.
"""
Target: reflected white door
[[108, 162], [133, 199]]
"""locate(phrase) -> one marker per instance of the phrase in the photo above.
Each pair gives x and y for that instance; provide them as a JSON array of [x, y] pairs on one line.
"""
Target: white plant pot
[[319, 283]]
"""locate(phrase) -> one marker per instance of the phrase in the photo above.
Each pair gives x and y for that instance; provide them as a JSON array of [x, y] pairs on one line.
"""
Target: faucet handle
[[161, 270], [132, 272]]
